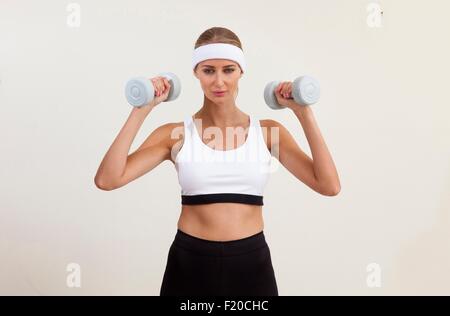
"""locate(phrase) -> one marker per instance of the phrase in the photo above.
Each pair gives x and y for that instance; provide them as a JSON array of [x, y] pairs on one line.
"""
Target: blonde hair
[[218, 35]]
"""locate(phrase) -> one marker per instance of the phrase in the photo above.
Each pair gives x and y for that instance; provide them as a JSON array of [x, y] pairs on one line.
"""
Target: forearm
[[324, 168], [114, 163]]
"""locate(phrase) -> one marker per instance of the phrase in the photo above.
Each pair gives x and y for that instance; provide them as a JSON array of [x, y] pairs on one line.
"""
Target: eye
[[207, 71]]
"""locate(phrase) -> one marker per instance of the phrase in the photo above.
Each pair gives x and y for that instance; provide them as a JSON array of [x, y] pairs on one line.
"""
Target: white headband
[[218, 51]]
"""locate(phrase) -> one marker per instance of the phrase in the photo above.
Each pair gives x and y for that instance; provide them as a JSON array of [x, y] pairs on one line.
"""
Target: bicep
[[150, 154], [142, 161], [285, 148]]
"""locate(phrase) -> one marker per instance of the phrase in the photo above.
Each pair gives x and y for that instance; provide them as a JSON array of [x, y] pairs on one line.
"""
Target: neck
[[221, 114]]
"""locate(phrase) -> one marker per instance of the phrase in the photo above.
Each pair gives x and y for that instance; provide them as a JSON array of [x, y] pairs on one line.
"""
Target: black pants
[[203, 267]]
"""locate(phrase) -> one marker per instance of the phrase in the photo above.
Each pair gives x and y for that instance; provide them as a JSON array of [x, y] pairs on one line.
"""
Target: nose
[[218, 79]]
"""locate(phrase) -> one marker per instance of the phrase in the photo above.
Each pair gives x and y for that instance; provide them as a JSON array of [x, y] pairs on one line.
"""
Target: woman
[[219, 247]]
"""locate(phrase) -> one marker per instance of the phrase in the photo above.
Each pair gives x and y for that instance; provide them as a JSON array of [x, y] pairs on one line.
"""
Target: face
[[219, 75]]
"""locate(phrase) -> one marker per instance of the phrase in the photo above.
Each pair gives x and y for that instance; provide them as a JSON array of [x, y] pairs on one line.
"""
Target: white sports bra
[[208, 175]]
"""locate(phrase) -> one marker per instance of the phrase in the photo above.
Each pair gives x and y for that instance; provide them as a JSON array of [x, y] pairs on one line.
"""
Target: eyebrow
[[215, 67]]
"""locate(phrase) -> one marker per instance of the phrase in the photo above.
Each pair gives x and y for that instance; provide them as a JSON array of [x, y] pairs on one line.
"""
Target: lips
[[219, 94]]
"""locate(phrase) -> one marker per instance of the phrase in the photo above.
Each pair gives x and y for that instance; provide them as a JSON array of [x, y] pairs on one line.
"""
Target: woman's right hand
[[162, 88]]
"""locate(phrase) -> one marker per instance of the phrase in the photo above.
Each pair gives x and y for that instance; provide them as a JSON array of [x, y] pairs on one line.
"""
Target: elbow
[[335, 191], [102, 185], [332, 190]]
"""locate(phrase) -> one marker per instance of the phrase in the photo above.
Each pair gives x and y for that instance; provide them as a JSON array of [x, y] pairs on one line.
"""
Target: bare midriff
[[221, 221]]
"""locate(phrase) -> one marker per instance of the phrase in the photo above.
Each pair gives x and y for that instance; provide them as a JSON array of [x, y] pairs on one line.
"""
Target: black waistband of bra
[[222, 198], [219, 248]]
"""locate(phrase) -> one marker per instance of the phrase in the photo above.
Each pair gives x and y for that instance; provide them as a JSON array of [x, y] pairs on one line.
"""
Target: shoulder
[[170, 132], [272, 126], [172, 135], [270, 123], [165, 130], [171, 126], [272, 131], [164, 135]]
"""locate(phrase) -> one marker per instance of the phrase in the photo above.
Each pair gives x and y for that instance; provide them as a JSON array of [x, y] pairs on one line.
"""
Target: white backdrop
[[384, 113]]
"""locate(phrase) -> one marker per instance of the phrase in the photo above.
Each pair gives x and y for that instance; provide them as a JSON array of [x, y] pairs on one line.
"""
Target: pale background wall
[[384, 113]]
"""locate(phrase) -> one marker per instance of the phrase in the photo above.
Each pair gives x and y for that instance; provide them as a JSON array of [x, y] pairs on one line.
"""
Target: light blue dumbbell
[[305, 91], [139, 91]]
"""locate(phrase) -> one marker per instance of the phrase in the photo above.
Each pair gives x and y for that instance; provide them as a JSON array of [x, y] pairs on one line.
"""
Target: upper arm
[[154, 150], [284, 147]]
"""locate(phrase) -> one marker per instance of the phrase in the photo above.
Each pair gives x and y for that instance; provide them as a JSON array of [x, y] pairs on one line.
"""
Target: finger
[[280, 85], [282, 88], [287, 89], [167, 85], [155, 85], [161, 85], [164, 86]]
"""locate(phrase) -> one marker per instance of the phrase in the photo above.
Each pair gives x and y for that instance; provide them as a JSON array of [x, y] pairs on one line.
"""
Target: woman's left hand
[[284, 95]]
